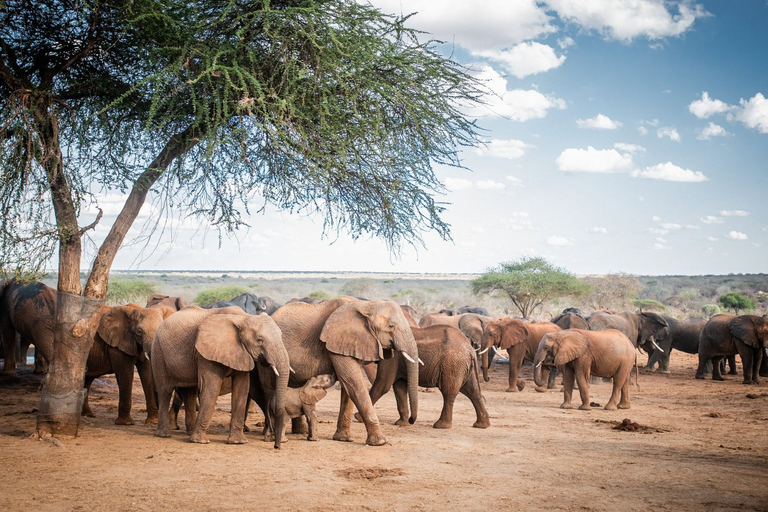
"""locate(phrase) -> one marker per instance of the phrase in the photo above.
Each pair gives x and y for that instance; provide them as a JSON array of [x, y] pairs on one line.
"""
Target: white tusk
[[292, 370], [274, 369], [482, 352], [656, 346], [421, 362], [539, 364], [409, 358]]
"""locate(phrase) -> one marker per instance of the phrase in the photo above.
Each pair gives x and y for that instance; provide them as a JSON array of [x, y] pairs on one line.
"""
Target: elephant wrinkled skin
[[724, 335]]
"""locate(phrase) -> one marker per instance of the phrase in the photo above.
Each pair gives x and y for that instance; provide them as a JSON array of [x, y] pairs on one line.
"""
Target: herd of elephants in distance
[[285, 357]]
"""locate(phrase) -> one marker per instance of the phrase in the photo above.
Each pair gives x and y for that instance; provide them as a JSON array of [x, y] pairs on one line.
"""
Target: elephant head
[[652, 325], [557, 349], [751, 329], [237, 341], [315, 389], [131, 328], [502, 333], [473, 325], [369, 331]]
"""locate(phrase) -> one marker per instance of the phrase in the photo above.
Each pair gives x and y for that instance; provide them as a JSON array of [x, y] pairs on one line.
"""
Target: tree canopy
[[529, 282], [737, 302]]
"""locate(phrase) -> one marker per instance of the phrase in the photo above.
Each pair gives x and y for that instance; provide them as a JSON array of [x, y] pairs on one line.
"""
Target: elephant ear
[[311, 392], [218, 339], [513, 333], [346, 332], [743, 327], [115, 329], [572, 346]]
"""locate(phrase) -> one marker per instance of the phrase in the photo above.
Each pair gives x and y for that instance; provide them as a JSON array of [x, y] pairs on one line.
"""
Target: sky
[[622, 136]]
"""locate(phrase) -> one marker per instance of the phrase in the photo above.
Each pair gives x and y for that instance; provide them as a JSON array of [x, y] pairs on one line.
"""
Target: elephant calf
[[301, 401]]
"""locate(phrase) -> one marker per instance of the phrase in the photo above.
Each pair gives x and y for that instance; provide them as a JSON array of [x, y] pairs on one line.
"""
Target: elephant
[[248, 302], [520, 340], [581, 353], [338, 336], [29, 310], [478, 310], [118, 346], [678, 335], [724, 335], [450, 365], [196, 349], [639, 327], [175, 303], [301, 402], [411, 314], [571, 318]]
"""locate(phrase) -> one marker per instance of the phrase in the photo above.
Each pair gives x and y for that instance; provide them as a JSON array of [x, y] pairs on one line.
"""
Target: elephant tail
[[637, 373]]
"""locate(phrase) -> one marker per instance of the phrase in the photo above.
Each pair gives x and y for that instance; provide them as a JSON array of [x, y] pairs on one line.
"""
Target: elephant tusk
[[656, 346], [538, 365], [482, 352], [409, 358], [292, 370], [274, 369], [421, 362]]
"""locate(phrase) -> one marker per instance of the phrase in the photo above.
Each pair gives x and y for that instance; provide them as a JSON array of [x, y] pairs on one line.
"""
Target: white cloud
[[565, 42], [456, 184], [707, 107], [559, 241], [670, 226], [593, 160], [656, 218], [734, 213], [670, 172], [518, 104], [712, 130], [711, 219], [489, 185], [517, 221], [600, 122], [626, 21], [754, 113], [712, 239], [642, 130], [515, 181], [509, 149], [596, 230], [661, 240], [628, 148], [736, 235], [669, 132], [656, 231], [524, 59]]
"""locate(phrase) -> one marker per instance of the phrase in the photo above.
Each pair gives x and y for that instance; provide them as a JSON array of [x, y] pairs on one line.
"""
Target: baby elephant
[[302, 400]]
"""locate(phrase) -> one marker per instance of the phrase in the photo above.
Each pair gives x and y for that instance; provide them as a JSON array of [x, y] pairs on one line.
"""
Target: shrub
[[737, 302], [320, 295], [710, 310], [218, 294], [123, 291]]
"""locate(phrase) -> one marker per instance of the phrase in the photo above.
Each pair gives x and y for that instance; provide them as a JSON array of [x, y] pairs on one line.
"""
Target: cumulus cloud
[[560, 241], [457, 184], [515, 182], [712, 239], [596, 230], [517, 221], [642, 130], [628, 148], [593, 160], [518, 104], [524, 59], [509, 148], [489, 185], [734, 213], [711, 219], [712, 130], [707, 107], [736, 235], [670, 226], [600, 122], [754, 113], [626, 21], [668, 132], [669, 172]]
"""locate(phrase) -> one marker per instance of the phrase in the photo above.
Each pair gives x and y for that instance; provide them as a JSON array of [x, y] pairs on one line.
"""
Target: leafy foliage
[[649, 305], [710, 310], [528, 283], [319, 295], [122, 291], [219, 294], [737, 302]]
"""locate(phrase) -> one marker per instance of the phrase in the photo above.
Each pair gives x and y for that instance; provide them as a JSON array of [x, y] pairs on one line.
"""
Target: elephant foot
[[700, 377], [341, 435], [623, 405], [442, 424], [665, 372], [750, 383], [718, 377], [512, 390], [402, 422], [124, 421], [237, 438], [376, 440], [162, 433], [608, 407], [566, 406], [358, 418], [520, 385], [541, 389], [199, 438], [151, 420], [313, 438], [587, 407], [482, 424], [733, 372]]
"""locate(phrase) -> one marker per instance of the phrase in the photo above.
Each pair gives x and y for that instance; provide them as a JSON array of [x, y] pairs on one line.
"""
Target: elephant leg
[[446, 415], [299, 425], [240, 385], [704, 361], [552, 377], [515, 364], [716, 369], [41, 364], [9, 348], [355, 388], [401, 399], [173, 413], [568, 378], [624, 402], [664, 362], [163, 409], [124, 376], [732, 365], [616, 392], [86, 411], [583, 382], [763, 372], [209, 385], [472, 391], [311, 418], [189, 397], [145, 376]]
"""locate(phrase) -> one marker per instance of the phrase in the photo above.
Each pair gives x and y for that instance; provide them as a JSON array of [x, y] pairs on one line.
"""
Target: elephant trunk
[[406, 344], [281, 366], [537, 364], [485, 346]]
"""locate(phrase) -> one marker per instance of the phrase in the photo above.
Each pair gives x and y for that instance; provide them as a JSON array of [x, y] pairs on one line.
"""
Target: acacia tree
[[737, 302], [326, 107], [529, 282]]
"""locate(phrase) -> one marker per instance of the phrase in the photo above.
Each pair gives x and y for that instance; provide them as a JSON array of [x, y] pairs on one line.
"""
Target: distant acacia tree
[[612, 291], [528, 283], [737, 302], [323, 106]]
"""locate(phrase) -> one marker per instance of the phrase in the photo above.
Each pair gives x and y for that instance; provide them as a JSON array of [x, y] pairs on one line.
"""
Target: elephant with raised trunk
[[724, 335], [520, 339], [450, 365], [339, 336], [579, 354], [196, 349]]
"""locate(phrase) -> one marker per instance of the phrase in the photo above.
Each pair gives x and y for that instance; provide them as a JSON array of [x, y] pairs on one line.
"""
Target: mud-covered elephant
[[520, 339], [450, 365], [571, 318], [678, 335], [29, 310], [196, 349], [339, 336], [157, 300], [581, 353], [638, 327], [724, 335], [118, 347]]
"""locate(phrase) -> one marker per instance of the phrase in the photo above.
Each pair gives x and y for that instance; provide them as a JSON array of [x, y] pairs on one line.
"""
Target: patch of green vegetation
[[122, 291], [320, 295], [218, 294]]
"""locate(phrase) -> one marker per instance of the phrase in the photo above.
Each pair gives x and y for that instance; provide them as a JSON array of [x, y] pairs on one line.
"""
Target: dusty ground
[[704, 447]]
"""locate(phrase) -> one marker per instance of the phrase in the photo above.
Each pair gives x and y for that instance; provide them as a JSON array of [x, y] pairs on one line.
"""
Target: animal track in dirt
[[757, 395], [369, 473], [627, 425]]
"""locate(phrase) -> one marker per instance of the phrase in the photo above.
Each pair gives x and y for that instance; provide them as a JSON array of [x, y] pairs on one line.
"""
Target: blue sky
[[624, 136]]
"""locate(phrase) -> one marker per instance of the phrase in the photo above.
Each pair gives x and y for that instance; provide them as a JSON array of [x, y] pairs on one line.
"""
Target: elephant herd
[[284, 357]]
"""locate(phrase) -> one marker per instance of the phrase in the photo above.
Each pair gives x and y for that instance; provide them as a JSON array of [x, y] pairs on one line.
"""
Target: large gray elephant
[[638, 327], [677, 335], [450, 365], [571, 318], [724, 335], [580, 353], [196, 349], [118, 346], [339, 336], [248, 302], [29, 310]]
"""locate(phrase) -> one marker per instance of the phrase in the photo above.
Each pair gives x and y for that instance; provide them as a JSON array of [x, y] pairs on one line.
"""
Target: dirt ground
[[701, 445]]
